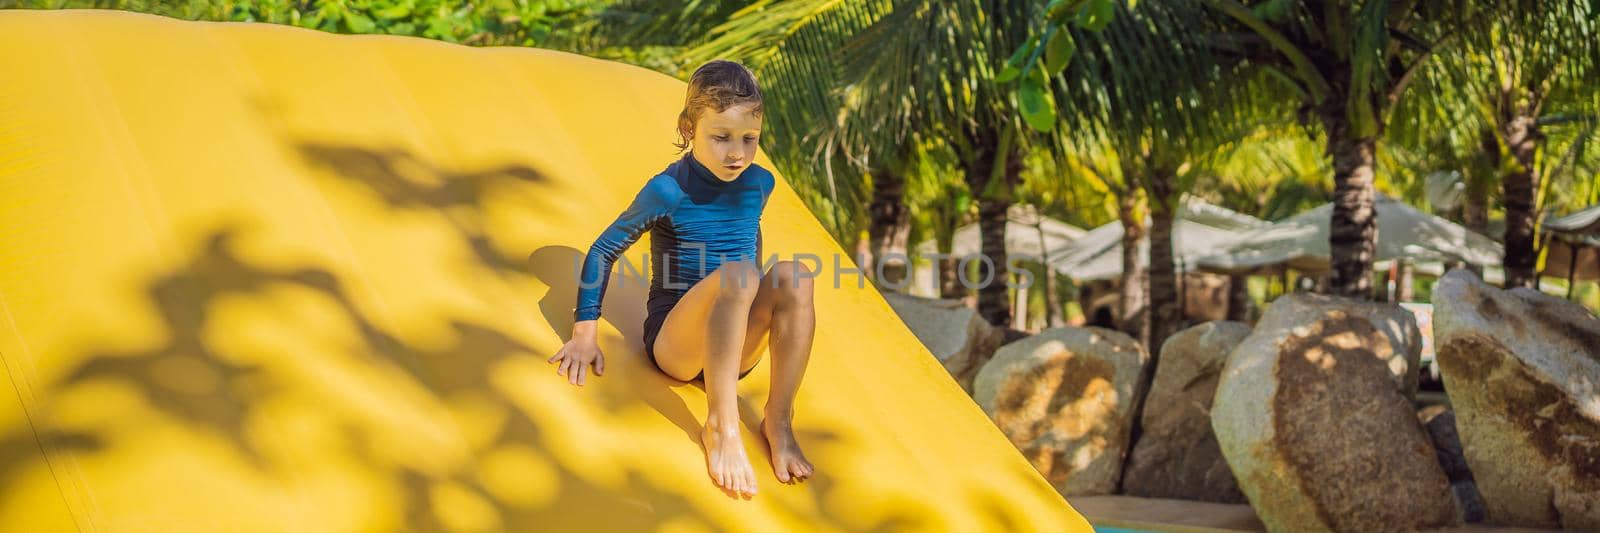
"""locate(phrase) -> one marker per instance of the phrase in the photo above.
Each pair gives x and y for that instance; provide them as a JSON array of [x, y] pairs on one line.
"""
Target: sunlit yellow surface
[[259, 278]]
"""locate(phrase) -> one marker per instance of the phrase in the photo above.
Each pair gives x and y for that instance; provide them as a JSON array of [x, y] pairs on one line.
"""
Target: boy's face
[[726, 142]]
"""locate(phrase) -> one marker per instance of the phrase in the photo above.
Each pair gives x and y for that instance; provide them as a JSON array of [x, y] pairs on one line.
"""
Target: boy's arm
[[654, 202]]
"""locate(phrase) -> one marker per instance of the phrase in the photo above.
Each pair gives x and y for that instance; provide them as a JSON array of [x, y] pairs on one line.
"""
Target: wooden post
[[1183, 296], [1572, 268]]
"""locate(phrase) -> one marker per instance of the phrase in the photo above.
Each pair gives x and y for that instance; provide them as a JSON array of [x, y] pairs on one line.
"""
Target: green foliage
[[1094, 14], [1535, 58], [1057, 45], [1037, 105], [1013, 66], [1065, 192], [1058, 51], [1271, 174], [1107, 80], [935, 192]]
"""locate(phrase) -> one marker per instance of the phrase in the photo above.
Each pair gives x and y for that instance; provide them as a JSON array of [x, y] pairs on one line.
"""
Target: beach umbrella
[[1198, 230], [1301, 242]]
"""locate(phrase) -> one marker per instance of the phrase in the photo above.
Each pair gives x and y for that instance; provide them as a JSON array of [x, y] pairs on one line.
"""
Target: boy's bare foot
[[787, 462], [725, 458]]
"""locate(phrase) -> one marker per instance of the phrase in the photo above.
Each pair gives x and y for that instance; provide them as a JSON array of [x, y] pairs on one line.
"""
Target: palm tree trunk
[[990, 147], [1475, 209], [1239, 298], [1479, 181], [1054, 318], [1166, 308], [1135, 318], [945, 218], [1519, 187], [949, 284], [1353, 233], [1479, 178], [1019, 308], [888, 219], [993, 302]]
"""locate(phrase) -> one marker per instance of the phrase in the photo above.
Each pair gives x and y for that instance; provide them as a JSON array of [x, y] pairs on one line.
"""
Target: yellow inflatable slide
[[261, 278]]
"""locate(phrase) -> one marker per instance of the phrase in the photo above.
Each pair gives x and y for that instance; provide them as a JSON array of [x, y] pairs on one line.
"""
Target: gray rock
[[959, 338], [1064, 397], [1396, 323], [1316, 431], [1177, 455], [1523, 373]]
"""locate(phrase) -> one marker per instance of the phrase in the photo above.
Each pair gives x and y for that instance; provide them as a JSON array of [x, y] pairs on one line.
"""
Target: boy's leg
[[682, 344], [706, 330], [784, 303]]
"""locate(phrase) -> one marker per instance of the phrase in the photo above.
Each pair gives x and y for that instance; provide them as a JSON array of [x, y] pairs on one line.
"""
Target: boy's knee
[[739, 280], [793, 276]]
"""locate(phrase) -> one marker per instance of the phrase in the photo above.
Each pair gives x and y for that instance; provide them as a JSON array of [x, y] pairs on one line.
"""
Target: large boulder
[[1523, 373], [1177, 455], [960, 338], [1316, 431], [1065, 398], [1398, 325]]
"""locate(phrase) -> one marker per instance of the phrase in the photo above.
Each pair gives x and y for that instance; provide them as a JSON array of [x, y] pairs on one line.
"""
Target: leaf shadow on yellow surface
[[288, 401]]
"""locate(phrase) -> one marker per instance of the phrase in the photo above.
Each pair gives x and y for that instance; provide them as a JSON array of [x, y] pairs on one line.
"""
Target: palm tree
[[1154, 139], [1527, 70], [1099, 162], [1160, 136], [960, 100], [1440, 150], [939, 202], [1348, 62]]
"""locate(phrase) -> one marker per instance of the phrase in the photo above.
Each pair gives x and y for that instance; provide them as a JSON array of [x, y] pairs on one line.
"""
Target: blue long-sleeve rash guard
[[697, 222]]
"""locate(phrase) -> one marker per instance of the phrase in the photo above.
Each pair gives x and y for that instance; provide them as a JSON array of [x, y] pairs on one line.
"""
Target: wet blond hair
[[716, 85]]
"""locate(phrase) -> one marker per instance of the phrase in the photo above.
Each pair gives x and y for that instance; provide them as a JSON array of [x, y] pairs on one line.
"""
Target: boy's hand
[[579, 353]]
